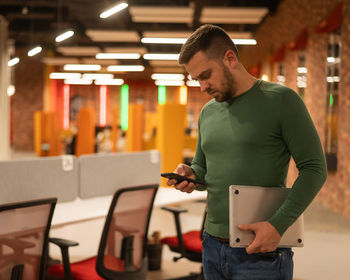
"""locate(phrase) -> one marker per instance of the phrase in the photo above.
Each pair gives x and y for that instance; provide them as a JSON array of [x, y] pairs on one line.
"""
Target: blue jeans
[[220, 261]]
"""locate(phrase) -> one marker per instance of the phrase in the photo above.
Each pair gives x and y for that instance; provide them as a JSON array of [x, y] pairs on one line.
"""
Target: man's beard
[[228, 86]]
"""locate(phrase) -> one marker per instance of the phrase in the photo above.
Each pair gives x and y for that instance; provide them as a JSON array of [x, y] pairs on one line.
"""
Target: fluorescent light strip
[[66, 107], [61, 75], [35, 51], [169, 83], [124, 106], [110, 82], [77, 82], [244, 41], [64, 36], [113, 10], [163, 40], [125, 68], [103, 105], [82, 67], [161, 95], [192, 83], [94, 76], [161, 56], [13, 61], [161, 76], [118, 56]]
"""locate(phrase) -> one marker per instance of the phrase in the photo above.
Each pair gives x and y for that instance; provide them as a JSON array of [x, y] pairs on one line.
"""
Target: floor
[[325, 256]]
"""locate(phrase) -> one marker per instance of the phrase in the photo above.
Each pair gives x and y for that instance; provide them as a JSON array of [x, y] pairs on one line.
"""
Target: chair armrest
[[60, 242], [174, 209], [64, 245], [177, 211]]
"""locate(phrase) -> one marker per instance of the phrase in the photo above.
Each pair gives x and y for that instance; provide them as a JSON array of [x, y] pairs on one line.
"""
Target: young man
[[246, 136]]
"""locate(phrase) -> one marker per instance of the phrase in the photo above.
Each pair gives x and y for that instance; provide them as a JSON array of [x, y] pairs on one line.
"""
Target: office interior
[[108, 106]]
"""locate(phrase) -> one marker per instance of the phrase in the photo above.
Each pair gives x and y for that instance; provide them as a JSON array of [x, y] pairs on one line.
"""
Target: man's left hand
[[266, 238]]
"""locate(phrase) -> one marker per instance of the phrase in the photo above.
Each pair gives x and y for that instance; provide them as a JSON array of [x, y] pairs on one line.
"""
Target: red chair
[[24, 230], [188, 245], [122, 250]]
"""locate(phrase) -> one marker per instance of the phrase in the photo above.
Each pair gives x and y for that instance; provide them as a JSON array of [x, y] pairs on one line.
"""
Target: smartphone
[[180, 178]]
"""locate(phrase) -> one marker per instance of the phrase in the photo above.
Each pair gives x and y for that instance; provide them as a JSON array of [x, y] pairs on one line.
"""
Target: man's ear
[[231, 58]]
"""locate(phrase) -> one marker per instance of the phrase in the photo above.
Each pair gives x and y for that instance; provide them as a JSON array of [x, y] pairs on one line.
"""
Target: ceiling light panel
[[231, 15], [63, 75], [118, 56], [93, 76], [113, 36], [112, 82], [172, 14], [111, 11], [77, 82], [82, 67], [169, 82], [166, 76], [78, 51], [125, 68], [161, 56]]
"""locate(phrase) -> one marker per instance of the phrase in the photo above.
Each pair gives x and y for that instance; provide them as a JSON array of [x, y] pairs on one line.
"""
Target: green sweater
[[249, 141]]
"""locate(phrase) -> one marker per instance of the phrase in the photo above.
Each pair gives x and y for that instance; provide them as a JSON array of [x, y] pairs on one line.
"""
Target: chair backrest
[[122, 250], [24, 230]]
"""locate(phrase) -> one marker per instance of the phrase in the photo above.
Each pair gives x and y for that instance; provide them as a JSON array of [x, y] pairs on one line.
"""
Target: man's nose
[[203, 85]]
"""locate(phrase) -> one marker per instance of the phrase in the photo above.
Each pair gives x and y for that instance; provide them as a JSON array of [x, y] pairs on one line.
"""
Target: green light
[[331, 100], [161, 94], [124, 107]]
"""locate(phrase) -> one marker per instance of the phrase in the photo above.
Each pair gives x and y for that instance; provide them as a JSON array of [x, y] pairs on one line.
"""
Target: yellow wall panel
[[170, 135], [135, 128]]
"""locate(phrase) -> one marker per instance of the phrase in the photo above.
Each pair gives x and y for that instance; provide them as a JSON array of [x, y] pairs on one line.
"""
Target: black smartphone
[[180, 178]]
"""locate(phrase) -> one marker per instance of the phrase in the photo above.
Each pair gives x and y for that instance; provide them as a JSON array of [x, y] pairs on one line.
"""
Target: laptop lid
[[252, 204]]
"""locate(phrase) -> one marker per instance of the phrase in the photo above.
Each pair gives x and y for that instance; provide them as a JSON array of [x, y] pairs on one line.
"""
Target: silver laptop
[[251, 204]]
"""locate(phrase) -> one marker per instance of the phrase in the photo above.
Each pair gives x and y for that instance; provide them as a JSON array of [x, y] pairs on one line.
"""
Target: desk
[[81, 210]]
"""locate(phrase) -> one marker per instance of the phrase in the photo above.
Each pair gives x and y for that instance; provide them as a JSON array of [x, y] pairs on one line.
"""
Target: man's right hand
[[184, 186]]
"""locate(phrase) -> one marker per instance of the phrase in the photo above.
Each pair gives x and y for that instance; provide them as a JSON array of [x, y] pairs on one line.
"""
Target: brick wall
[[292, 17], [28, 78]]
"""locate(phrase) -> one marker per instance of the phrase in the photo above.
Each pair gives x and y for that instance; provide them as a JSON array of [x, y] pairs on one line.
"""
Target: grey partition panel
[[101, 175], [39, 177]]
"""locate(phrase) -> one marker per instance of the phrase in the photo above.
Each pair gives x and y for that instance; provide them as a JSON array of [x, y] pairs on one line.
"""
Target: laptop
[[251, 204]]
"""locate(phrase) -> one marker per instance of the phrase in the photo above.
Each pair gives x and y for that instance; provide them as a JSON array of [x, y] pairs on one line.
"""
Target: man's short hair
[[210, 39]]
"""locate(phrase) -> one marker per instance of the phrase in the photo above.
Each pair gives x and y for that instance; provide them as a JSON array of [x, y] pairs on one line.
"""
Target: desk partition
[[102, 175], [39, 177]]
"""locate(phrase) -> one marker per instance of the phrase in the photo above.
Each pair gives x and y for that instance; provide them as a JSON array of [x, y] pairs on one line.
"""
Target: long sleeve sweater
[[249, 140]]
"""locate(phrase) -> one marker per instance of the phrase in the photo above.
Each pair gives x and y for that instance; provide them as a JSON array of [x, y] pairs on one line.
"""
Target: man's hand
[[184, 186], [266, 238]]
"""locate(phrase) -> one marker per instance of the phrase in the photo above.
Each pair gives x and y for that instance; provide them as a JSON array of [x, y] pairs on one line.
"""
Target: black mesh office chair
[[188, 244], [122, 250], [24, 230]]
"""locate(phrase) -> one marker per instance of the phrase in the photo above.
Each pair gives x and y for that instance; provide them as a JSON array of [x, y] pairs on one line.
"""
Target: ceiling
[[38, 22]]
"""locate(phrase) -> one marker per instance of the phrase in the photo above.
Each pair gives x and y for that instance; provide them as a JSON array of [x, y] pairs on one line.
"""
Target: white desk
[[81, 210]]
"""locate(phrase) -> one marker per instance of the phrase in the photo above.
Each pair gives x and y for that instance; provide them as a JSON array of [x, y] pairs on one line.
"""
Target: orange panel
[[86, 132]]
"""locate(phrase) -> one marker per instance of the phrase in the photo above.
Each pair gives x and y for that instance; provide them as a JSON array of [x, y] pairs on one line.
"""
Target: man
[[246, 136]]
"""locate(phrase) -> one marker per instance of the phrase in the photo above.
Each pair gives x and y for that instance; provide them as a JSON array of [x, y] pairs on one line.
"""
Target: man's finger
[[250, 227]]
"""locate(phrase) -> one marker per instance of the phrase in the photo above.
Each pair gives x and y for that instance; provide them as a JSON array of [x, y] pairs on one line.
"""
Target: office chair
[[122, 249], [24, 230], [188, 245]]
